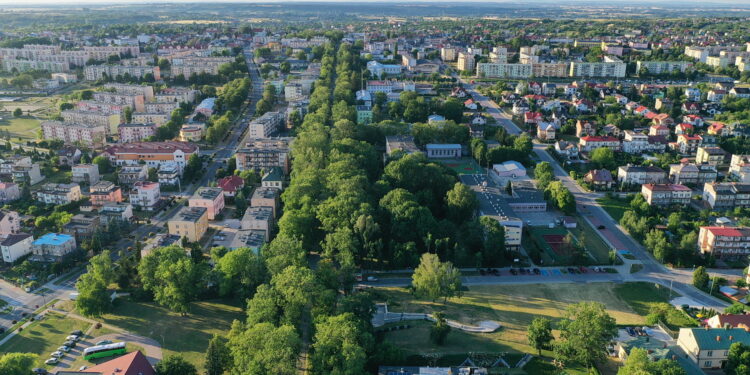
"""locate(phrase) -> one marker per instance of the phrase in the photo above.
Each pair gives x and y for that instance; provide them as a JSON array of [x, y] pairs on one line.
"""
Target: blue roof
[[207, 103], [53, 239], [442, 146]]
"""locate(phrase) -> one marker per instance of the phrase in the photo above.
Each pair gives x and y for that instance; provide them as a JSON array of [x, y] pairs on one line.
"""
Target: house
[[686, 173], [105, 192], [131, 174], [662, 130], [117, 211], [635, 143], [740, 92], [709, 347], [710, 155], [273, 179], [545, 132], [230, 185], [145, 195], [584, 128], [86, 173], [266, 197], [639, 175], [470, 105], [568, 149], [9, 192], [69, 155], [82, 227], [694, 120], [258, 218], [600, 179], [684, 128], [611, 130], [520, 107], [26, 172], [726, 195], [718, 129], [532, 118], [591, 143], [662, 119], [666, 194], [133, 363], [724, 242], [9, 222], [692, 108], [52, 247], [739, 168], [729, 320], [190, 223], [15, 246], [210, 198], [476, 131], [58, 194], [693, 94], [688, 144], [443, 151]]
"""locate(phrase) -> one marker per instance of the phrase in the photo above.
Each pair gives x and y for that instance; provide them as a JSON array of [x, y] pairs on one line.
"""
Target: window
[[710, 353], [707, 364]]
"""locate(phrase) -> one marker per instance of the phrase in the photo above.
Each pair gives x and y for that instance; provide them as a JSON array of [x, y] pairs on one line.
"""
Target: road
[[590, 209]]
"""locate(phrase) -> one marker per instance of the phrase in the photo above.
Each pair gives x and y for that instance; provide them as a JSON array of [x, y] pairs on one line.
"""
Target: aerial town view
[[385, 187]]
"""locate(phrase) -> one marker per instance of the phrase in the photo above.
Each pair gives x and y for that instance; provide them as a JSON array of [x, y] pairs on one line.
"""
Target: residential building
[[266, 125], [69, 155], [688, 144], [86, 173], [9, 222], [663, 67], [71, 133], [546, 132], [443, 151], [152, 153], [129, 133], [118, 211], [52, 247], [263, 154], [726, 195], [210, 198], [710, 155], [169, 174], [567, 149], [591, 143], [666, 194], [600, 179], [230, 185], [380, 70], [610, 67], [693, 174], [190, 223], [274, 178], [26, 172], [206, 107], [157, 119], [126, 89], [9, 192], [16, 245], [447, 54], [130, 174], [133, 363], [82, 227], [504, 70], [266, 197], [258, 218], [105, 192], [59, 194], [465, 62], [145, 195], [96, 72], [724, 242], [252, 238], [739, 168], [584, 128], [639, 175], [192, 132], [729, 320], [136, 102]]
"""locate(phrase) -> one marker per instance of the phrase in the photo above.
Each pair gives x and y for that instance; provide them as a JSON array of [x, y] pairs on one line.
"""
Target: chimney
[[718, 338], [731, 338]]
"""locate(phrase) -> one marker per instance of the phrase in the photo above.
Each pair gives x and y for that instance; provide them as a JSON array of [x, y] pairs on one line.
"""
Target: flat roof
[[53, 239]]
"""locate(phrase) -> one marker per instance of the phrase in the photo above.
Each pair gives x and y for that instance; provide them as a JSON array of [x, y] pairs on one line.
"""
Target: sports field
[[463, 166], [552, 242]]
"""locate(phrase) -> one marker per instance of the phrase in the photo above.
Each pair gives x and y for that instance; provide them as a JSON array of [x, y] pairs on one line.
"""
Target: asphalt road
[[591, 210]]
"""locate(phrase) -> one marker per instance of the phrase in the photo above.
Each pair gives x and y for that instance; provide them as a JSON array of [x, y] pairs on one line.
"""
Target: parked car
[[372, 278], [83, 368], [77, 332], [70, 344], [601, 227], [73, 338], [51, 361], [39, 371], [64, 349], [513, 271], [537, 271], [57, 354], [582, 269]]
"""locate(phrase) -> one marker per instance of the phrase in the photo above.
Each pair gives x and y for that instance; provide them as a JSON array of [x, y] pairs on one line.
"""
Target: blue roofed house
[[52, 247], [709, 347], [206, 107]]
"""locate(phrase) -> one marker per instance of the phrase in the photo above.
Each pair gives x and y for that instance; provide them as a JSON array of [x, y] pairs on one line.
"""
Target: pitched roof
[[719, 338], [231, 183], [134, 363]]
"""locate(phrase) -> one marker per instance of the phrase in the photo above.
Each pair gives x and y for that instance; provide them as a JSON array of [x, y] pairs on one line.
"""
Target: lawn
[[18, 127], [615, 207], [592, 241], [188, 335], [45, 336], [641, 296]]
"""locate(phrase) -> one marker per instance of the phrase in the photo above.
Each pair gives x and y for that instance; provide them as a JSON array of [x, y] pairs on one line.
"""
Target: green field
[[641, 296], [614, 207], [592, 241], [463, 166], [536, 237], [21, 127], [185, 335], [512, 306], [45, 336]]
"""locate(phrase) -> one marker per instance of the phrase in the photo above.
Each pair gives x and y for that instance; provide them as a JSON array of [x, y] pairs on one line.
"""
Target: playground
[[463, 166]]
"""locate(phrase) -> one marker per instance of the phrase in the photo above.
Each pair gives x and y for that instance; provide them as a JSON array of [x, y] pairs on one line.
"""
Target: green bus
[[101, 351]]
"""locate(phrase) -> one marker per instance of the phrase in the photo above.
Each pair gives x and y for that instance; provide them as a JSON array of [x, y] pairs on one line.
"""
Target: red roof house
[[231, 184], [133, 363]]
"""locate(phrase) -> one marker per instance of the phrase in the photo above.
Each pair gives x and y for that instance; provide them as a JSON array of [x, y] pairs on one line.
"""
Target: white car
[[72, 338], [51, 361], [57, 354], [63, 349]]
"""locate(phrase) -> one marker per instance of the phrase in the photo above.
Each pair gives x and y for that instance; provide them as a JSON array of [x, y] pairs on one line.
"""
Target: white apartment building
[[145, 195], [26, 65], [95, 72], [266, 125], [126, 89], [465, 62], [177, 95], [107, 121], [58, 194], [500, 70], [610, 67], [156, 107], [661, 67], [157, 119], [135, 102]]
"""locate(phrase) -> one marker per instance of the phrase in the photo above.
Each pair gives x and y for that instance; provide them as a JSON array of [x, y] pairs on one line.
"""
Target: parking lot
[[491, 201]]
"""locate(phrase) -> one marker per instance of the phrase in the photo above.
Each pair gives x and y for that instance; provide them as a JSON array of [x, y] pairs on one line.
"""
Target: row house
[[666, 194], [724, 242], [727, 195], [59, 194], [590, 143], [639, 175], [694, 174]]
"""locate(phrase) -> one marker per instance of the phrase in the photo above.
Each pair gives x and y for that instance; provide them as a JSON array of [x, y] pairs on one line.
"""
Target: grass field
[[538, 239], [463, 166], [44, 337], [19, 127], [614, 207], [641, 296], [592, 241], [188, 335]]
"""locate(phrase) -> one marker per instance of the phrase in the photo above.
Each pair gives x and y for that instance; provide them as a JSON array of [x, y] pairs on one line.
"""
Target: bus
[[101, 351]]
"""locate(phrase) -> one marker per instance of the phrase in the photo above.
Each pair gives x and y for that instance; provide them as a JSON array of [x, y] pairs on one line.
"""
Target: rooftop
[[192, 214], [210, 193], [53, 239]]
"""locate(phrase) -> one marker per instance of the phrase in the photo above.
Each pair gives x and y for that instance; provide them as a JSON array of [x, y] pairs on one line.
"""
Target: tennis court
[[552, 241], [463, 166]]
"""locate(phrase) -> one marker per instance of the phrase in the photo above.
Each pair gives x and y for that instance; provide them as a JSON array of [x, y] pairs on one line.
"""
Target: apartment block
[[95, 72], [639, 175], [266, 125], [710, 155], [686, 173], [263, 154], [59, 194], [666, 194], [52, 247], [145, 195], [724, 242], [157, 119], [151, 153], [126, 89], [610, 67], [503, 70], [258, 218], [210, 198], [135, 102], [739, 168], [71, 133], [190, 223], [105, 192], [86, 173], [266, 197], [129, 133], [726, 195], [663, 67], [128, 175]]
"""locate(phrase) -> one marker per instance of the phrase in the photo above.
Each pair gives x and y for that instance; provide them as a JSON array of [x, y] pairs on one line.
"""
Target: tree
[[105, 166], [435, 279], [128, 114], [341, 346], [461, 203], [440, 330], [603, 157], [218, 356], [262, 349], [93, 298], [700, 278], [539, 334], [17, 363], [657, 242], [584, 334], [738, 359], [543, 174], [172, 276], [17, 112], [175, 365], [240, 272], [735, 308], [638, 363]]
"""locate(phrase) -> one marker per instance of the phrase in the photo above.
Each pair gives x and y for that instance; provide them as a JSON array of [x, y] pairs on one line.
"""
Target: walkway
[[382, 316]]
